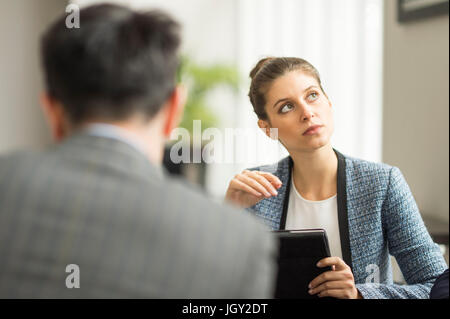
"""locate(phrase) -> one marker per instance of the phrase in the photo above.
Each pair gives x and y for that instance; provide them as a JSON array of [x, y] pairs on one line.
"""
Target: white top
[[303, 213]]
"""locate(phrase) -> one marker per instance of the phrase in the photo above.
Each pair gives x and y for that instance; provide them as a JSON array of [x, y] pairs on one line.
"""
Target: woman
[[366, 208]]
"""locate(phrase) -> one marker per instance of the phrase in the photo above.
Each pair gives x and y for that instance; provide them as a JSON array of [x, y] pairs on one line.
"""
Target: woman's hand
[[337, 283], [249, 187]]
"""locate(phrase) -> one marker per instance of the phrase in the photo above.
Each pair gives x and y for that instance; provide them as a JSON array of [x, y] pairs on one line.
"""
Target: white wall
[[22, 124], [416, 107]]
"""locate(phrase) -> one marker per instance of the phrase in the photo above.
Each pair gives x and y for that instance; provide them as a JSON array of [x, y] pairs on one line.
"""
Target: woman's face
[[301, 112]]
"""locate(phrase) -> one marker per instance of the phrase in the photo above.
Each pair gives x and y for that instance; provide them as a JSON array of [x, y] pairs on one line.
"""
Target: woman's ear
[[269, 131]]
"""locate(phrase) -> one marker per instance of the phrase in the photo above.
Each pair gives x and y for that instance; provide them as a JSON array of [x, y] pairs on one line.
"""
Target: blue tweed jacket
[[378, 217]]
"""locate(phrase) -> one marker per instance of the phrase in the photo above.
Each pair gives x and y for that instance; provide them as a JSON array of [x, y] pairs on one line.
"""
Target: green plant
[[201, 80]]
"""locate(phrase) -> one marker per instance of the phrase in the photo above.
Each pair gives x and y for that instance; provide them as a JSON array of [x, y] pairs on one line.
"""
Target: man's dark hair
[[118, 63]]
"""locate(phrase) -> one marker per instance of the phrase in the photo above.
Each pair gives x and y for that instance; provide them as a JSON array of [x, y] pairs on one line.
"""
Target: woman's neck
[[315, 173]]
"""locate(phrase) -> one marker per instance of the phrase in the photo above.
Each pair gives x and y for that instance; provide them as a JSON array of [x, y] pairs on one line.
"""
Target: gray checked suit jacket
[[133, 232]]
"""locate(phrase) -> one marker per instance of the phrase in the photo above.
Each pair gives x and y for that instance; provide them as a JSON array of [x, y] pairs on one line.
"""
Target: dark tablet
[[299, 252]]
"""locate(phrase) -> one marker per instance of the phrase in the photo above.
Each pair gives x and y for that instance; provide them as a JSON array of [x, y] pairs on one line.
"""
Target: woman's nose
[[306, 114]]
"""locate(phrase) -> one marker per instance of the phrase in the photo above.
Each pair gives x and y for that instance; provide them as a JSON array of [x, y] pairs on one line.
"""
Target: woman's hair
[[269, 69]]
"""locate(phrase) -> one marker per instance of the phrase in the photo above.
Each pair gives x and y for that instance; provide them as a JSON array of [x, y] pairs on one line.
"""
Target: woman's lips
[[313, 130]]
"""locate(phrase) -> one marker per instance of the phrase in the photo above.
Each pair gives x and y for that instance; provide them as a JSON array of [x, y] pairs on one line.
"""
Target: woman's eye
[[286, 108], [313, 96]]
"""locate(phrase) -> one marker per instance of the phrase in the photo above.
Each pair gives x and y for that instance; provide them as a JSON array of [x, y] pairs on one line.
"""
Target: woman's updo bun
[[258, 66]]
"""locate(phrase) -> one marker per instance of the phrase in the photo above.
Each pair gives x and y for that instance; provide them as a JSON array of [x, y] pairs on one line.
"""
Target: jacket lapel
[[271, 209], [286, 195], [342, 210]]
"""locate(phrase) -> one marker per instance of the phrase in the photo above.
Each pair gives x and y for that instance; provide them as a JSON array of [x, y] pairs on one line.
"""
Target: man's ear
[[175, 105], [54, 113], [265, 127]]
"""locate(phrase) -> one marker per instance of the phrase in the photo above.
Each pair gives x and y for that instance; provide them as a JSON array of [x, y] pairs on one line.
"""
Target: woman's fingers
[[238, 185], [336, 284], [256, 185], [336, 293], [328, 276], [262, 180], [272, 178], [330, 261]]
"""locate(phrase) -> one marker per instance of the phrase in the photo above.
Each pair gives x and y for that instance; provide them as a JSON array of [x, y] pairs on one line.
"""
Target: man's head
[[119, 66]]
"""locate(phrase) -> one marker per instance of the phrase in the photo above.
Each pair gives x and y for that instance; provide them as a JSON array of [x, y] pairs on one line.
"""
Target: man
[[95, 216]]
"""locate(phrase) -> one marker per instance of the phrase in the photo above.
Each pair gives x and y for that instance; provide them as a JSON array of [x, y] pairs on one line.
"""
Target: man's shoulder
[[19, 160], [163, 194], [198, 204]]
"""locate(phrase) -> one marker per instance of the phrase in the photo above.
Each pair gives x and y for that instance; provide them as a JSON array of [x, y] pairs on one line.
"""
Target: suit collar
[[108, 151], [115, 132]]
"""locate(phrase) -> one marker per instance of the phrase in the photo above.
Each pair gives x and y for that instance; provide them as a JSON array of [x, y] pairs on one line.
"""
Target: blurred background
[[383, 63]]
